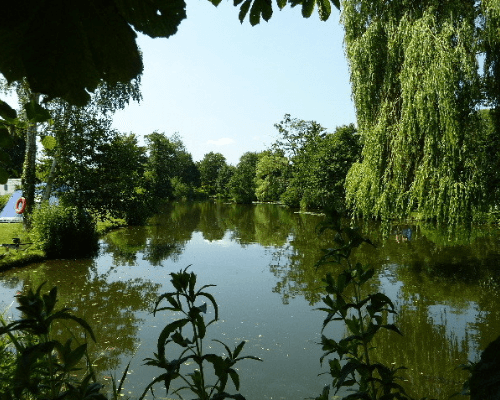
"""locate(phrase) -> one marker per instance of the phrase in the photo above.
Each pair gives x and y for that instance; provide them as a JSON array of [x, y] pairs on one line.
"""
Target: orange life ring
[[20, 205]]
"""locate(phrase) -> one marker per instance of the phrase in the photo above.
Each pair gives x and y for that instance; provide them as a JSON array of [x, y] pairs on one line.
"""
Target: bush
[[180, 189], [64, 232], [137, 208], [38, 365]]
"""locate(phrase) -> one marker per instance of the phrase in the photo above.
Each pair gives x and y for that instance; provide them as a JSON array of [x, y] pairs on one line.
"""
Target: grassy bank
[[28, 252], [25, 253]]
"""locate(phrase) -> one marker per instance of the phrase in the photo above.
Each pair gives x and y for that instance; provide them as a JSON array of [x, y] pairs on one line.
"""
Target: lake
[[261, 259]]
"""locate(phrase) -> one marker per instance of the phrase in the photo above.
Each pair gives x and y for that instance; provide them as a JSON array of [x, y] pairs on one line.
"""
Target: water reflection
[[98, 295], [262, 257]]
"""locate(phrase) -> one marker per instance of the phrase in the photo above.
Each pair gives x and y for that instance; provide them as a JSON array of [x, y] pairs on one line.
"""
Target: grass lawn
[[26, 254], [11, 230]]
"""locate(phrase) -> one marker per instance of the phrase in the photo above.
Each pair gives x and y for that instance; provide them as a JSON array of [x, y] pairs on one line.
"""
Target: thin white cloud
[[221, 142]]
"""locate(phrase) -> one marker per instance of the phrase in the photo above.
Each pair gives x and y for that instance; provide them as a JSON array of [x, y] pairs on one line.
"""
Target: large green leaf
[[308, 8], [260, 8], [36, 113], [5, 139], [64, 49], [155, 18], [244, 10], [6, 111], [325, 9], [164, 335], [49, 142]]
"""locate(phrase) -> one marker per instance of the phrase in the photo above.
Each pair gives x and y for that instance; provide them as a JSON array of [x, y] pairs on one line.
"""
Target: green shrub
[[138, 208], [38, 364], [64, 232], [181, 190], [200, 194]]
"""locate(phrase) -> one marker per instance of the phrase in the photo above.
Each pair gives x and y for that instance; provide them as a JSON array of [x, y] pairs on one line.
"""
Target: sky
[[222, 85]]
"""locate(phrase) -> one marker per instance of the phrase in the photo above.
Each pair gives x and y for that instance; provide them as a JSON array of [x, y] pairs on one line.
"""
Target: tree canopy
[[210, 167], [242, 184], [67, 48], [417, 88]]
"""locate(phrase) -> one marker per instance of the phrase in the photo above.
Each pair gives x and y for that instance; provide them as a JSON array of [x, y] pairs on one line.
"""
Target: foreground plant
[[353, 367], [41, 366], [186, 301]]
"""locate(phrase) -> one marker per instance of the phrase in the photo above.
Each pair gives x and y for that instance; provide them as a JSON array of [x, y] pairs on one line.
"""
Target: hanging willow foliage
[[417, 91]]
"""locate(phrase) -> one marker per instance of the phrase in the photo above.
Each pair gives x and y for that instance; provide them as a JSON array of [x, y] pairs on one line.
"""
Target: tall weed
[[187, 300], [39, 366], [364, 314]]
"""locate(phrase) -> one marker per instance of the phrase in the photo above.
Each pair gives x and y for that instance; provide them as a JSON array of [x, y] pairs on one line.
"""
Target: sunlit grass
[[25, 254], [109, 224], [8, 231]]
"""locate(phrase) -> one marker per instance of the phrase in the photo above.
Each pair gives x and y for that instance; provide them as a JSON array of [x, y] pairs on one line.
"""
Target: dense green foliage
[[242, 184], [210, 167], [330, 162], [224, 176], [15, 151], [297, 141], [160, 165], [8, 118], [319, 162], [3, 200], [305, 167], [119, 190], [492, 155], [109, 173], [417, 89], [100, 170], [186, 174], [64, 232], [170, 169], [272, 173], [73, 139]]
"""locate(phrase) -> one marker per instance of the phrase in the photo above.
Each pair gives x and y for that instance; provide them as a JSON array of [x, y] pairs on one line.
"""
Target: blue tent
[[8, 213]]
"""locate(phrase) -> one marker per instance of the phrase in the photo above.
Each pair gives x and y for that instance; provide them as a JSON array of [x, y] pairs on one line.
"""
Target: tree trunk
[[29, 168], [50, 181]]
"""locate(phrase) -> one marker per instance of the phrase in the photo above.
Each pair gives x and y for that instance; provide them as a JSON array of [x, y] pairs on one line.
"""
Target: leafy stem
[[363, 317], [186, 300]]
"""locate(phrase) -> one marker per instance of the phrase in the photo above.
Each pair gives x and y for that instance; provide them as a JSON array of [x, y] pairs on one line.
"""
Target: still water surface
[[261, 258]]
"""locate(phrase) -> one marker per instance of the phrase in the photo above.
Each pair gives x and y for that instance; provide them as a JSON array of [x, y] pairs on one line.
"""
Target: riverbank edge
[[22, 258]]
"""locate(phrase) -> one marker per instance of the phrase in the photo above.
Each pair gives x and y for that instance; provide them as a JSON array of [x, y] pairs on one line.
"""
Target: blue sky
[[222, 85]]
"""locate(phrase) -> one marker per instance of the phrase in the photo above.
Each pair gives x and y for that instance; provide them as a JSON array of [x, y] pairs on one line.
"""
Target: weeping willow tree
[[418, 90]]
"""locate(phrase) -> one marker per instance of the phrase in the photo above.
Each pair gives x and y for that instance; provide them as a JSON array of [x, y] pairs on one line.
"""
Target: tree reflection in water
[[446, 291], [109, 304]]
